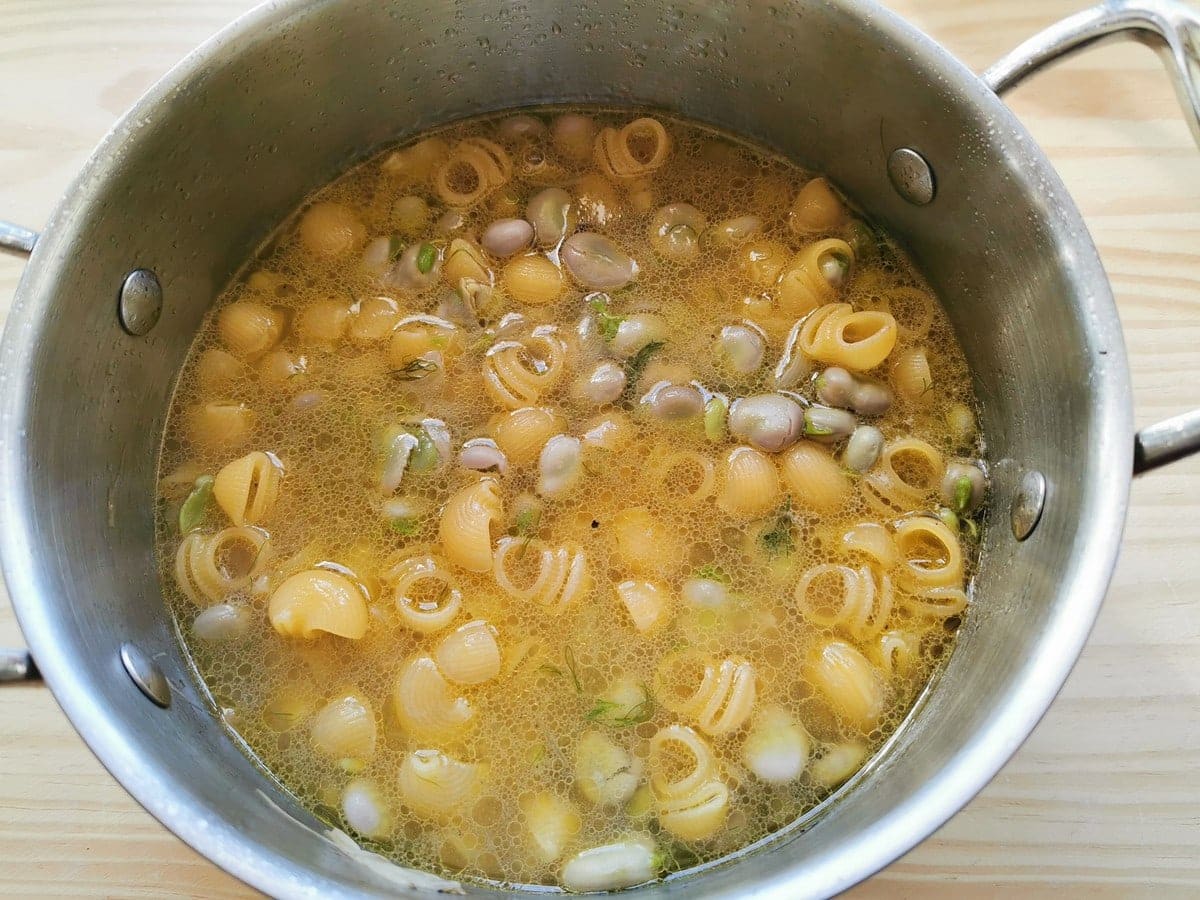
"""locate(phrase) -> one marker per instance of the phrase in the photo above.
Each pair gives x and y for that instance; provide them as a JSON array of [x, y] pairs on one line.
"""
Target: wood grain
[[1103, 800]]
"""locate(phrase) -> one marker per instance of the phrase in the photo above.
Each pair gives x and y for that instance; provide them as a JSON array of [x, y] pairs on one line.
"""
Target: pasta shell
[[837, 763], [777, 748], [605, 773], [644, 543], [561, 577], [680, 762], [647, 603], [249, 328], [522, 433], [930, 554], [318, 600], [695, 816], [749, 484], [212, 567], [638, 149], [435, 785], [872, 543], [465, 529], [247, 488], [551, 823], [816, 208], [911, 376], [221, 423], [424, 702], [345, 728], [897, 651], [849, 683], [717, 696], [427, 599], [814, 478], [364, 809], [518, 373], [469, 654], [907, 475]]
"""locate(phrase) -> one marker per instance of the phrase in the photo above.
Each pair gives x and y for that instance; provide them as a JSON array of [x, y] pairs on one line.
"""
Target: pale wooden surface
[[1103, 800]]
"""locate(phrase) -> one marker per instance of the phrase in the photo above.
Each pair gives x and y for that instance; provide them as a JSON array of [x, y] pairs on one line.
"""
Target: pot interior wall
[[244, 130]]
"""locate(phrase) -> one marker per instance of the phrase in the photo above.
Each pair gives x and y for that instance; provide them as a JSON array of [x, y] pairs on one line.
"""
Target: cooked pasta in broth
[[570, 498]]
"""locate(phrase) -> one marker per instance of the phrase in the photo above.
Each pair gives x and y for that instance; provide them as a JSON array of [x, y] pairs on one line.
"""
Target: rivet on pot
[[141, 302], [146, 674], [1027, 504], [911, 176]]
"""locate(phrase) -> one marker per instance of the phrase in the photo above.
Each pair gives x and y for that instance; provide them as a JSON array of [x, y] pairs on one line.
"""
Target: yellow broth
[[497, 724]]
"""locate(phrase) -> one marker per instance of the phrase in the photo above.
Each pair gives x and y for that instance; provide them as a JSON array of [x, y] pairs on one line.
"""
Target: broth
[[584, 547]]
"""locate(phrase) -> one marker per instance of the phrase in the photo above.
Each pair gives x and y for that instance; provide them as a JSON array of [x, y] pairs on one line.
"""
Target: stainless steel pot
[[204, 166]]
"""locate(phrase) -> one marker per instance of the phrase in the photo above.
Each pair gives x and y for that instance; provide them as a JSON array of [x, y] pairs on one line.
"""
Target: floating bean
[[559, 465], [596, 262], [223, 622], [482, 455], [742, 348], [418, 267], [552, 216], [675, 231], [828, 425], [770, 422], [504, 237], [835, 386], [636, 331], [792, 367], [520, 128], [603, 384], [863, 449], [963, 487], [730, 233], [674, 402]]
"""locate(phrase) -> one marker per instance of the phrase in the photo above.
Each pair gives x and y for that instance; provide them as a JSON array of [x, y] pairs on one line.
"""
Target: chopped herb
[[426, 257], [638, 362], [778, 540], [404, 526], [962, 494], [191, 514], [601, 709], [484, 341], [395, 247], [416, 369], [602, 712], [608, 322], [526, 522], [972, 528], [712, 572], [569, 659]]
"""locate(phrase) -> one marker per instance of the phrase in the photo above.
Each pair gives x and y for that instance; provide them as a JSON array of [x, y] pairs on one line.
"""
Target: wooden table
[[1103, 800]]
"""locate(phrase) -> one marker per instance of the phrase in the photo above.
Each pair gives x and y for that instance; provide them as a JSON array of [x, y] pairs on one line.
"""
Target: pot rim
[[972, 766]]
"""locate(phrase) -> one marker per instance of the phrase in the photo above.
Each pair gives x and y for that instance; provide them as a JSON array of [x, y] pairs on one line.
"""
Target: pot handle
[[1173, 29], [17, 665], [15, 239]]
